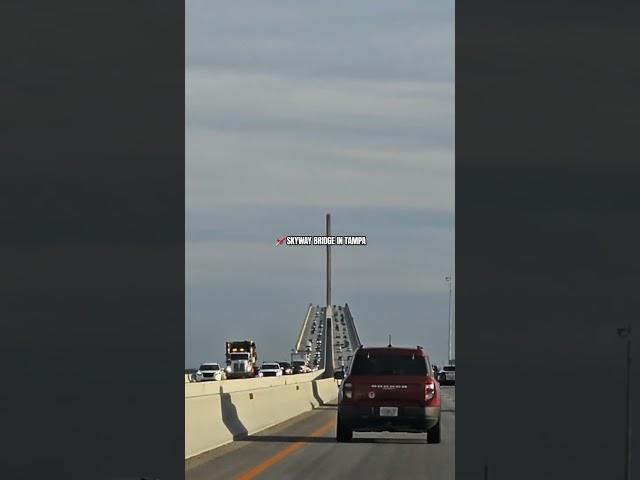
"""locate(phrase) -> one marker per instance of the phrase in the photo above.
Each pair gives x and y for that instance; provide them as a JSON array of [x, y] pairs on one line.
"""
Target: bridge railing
[[352, 325], [328, 343], [303, 328], [217, 413]]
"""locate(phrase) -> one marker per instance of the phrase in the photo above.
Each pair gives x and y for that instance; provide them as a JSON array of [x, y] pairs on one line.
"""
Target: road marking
[[258, 469]]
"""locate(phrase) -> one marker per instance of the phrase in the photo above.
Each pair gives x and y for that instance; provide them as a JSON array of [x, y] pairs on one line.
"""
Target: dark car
[[286, 367], [389, 389], [447, 376], [300, 366]]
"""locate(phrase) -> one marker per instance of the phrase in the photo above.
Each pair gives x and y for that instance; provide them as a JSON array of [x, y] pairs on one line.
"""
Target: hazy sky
[[295, 109]]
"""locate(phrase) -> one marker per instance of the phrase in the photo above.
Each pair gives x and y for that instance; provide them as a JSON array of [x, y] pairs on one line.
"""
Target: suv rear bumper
[[409, 419]]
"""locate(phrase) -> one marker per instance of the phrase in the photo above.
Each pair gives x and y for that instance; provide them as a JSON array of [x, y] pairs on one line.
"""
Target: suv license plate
[[388, 411]]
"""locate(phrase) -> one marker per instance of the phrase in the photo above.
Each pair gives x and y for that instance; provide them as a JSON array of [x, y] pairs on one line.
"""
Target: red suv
[[389, 389]]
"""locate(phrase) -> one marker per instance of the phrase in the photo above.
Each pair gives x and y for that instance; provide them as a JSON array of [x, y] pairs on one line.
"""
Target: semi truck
[[242, 359]]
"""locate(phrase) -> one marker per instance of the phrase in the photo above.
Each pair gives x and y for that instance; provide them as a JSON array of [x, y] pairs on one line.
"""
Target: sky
[[297, 109]]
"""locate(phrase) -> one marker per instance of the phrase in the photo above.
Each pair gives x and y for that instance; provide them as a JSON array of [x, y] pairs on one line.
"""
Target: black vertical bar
[[627, 467]]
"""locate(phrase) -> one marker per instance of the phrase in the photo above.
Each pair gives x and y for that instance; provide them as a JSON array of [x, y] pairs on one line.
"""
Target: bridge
[[284, 427], [332, 335]]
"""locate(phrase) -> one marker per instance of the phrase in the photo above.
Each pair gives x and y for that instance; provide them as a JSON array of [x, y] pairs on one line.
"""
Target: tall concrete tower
[[328, 261]]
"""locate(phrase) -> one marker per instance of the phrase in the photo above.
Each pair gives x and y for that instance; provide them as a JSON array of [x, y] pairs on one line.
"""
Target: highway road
[[317, 314], [305, 447], [341, 332]]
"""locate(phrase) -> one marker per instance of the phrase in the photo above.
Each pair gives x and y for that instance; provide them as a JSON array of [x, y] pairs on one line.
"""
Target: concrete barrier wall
[[216, 413], [327, 341], [304, 326], [352, 326], [327, 389], [247, 383]]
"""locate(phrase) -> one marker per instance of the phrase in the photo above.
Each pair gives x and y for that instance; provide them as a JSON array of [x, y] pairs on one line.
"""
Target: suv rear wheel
[[433, 434], [344, 433]]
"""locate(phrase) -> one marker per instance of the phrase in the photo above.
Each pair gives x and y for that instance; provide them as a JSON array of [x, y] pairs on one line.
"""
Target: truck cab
[[241, 359]]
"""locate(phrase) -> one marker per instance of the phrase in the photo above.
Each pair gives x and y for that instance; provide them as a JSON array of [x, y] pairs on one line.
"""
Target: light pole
[[626, 334], [449, 280]]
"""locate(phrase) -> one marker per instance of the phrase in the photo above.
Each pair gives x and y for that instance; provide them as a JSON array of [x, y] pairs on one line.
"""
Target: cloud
[[328, 40], [295, 109]]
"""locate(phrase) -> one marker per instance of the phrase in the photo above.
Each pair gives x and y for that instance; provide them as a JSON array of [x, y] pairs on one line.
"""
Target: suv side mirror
[[338, 374]]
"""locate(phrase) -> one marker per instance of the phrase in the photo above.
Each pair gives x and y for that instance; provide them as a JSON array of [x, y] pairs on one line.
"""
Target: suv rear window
[[370, 364]]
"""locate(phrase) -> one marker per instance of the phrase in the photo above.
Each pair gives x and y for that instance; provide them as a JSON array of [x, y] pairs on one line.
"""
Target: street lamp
[[626, 334], [449, 280]]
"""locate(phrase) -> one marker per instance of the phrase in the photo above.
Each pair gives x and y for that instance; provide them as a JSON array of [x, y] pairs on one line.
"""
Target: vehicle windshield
[[209, 367], [270, 366], [284, 364], [298, 363], [449, 369], [370, 364], [239, 356]]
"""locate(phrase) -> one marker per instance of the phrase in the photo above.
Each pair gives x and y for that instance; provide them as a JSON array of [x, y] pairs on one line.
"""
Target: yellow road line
[[249, 474]]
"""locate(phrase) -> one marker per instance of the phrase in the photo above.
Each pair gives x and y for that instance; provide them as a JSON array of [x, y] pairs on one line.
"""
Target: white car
[[210, 371], [270, 370]]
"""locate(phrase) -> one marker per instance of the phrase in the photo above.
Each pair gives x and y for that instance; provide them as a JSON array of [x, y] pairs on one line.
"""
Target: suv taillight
[[429, 389]]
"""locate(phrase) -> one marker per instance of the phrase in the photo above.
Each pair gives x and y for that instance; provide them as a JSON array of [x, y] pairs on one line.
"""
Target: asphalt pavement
[[305, 447]]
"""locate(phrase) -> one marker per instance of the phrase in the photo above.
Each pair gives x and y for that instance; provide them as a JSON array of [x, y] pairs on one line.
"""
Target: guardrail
[[352, 325], [217, 413], [304, 326], [328, 343]]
